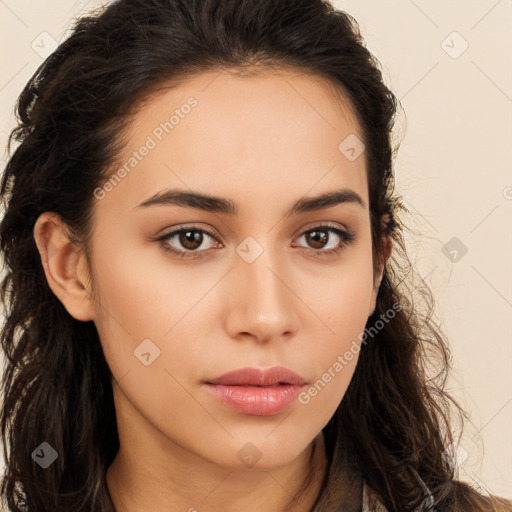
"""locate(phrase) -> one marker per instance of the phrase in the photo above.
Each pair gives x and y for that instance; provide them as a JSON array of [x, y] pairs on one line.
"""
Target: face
[[262, 276]]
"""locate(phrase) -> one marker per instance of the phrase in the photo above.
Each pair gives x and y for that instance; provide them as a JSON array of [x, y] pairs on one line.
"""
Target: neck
[[177, 482]]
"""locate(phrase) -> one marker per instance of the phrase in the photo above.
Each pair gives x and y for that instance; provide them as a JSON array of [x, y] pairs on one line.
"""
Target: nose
[[262, 304]]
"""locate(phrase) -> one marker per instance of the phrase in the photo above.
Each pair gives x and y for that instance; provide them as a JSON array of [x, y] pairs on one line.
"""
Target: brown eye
[[321, 242], [316, 239], [188, 242], [191, 239]]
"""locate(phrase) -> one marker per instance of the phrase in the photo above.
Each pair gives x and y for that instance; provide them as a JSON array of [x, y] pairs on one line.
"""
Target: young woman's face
[[254, 282]]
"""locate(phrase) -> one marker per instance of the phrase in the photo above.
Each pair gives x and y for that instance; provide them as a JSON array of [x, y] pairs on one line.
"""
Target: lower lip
[[258, 401]]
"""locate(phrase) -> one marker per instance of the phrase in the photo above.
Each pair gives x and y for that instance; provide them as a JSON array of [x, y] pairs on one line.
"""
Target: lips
[[256, 392], [251, 376]]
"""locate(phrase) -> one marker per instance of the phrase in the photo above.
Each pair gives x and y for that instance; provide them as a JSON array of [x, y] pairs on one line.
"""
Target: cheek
[[342, 308], [140, 302], [341, 298], [141, 288], [333, 358]]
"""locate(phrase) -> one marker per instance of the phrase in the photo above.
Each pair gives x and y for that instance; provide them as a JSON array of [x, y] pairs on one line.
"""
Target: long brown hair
[[393, 425]]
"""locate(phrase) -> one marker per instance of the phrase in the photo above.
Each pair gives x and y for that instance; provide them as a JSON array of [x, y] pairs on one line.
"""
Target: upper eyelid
[[180, 229], [323, 225]]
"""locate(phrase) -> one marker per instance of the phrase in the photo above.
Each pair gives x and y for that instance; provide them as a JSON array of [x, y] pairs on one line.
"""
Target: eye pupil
[[191, 239], [319, 238]]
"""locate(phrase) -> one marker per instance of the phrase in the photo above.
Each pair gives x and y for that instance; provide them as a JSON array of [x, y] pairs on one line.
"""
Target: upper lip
[[251, 376]]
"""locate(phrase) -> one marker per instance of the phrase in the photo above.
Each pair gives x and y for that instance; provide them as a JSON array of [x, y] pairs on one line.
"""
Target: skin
[[263, 142]]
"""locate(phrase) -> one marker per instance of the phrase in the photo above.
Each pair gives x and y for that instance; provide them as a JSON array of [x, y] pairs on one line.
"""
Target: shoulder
[[466, 499]]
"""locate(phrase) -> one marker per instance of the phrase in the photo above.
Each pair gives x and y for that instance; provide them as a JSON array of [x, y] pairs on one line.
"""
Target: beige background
[[454, 169]]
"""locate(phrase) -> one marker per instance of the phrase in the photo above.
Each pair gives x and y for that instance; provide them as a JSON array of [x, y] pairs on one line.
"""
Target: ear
[[64, 265], [388, 248]]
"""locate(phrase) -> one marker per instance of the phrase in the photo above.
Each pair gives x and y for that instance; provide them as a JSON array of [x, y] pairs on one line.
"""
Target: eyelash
[[347, 237]]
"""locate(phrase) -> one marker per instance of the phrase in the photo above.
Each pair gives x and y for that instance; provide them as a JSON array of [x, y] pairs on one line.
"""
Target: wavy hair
[[394, 423]]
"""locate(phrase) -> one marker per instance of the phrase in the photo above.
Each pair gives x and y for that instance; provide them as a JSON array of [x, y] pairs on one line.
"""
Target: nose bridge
[[263, 304]]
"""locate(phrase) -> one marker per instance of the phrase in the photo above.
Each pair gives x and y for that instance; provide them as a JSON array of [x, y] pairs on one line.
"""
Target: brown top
[[367, 493], [375, 505]]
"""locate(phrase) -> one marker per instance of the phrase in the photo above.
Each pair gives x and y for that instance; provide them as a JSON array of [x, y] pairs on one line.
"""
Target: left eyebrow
[[324, 201], [209, 203]]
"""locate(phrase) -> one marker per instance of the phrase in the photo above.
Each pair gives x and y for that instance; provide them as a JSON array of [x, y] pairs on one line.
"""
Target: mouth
[[257, 392]]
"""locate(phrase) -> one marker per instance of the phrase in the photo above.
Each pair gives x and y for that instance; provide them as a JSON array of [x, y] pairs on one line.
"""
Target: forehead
[[237, 135]]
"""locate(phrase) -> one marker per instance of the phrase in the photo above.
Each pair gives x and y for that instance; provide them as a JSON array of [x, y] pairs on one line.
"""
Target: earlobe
[[63, 264]]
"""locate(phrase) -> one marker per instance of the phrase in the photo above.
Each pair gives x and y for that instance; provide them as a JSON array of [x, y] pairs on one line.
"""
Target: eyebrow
[[215, 204]]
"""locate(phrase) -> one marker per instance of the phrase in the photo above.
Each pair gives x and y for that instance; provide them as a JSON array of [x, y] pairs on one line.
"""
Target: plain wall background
[[454, 169]]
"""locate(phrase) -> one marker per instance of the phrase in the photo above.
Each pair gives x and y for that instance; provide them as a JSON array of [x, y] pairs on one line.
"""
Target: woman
[[203, 312]]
